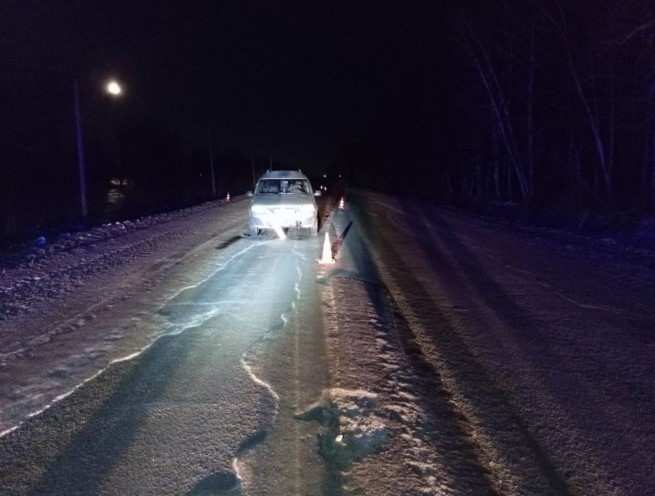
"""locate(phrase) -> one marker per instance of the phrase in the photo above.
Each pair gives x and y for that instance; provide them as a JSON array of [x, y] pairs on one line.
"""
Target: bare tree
[[501, 112]]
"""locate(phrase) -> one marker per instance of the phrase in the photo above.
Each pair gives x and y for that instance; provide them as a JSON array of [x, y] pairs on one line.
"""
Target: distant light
[[114, 88], [325, 176]]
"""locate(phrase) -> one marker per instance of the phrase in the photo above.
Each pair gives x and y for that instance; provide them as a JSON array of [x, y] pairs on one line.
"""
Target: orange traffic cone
[[326, 257], [227, 197], [341, 204]]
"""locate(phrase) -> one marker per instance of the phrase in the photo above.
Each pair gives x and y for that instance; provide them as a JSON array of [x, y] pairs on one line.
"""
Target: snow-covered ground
[[440, 354], [502, 360], [70, 308], [203, 374]]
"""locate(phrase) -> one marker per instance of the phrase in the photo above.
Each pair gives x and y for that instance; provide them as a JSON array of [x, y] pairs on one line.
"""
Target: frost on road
[[506, 361], [440, 354], [183, 414]]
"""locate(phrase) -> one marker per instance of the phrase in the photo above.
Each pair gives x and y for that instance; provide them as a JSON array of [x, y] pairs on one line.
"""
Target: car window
[[284, 186], [269, 186]]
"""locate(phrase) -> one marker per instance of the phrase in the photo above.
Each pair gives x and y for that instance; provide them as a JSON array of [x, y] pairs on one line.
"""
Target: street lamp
[[113, 88]]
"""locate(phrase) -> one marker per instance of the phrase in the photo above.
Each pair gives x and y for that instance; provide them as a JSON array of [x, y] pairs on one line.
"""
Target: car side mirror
[[317, 193], [249, 194]]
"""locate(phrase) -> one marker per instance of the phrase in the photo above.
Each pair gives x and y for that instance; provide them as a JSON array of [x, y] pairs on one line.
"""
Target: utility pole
[[270, 161], [79, 139], [211, 162], [252, 169], [115, 90]]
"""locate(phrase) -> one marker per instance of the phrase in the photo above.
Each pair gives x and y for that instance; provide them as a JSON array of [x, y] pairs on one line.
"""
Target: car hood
[[282, 200]]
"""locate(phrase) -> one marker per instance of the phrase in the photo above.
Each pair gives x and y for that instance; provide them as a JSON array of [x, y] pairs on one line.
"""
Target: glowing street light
[[114, 88]]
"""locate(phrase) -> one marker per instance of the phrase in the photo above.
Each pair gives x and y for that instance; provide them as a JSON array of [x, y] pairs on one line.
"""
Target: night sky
[[293, 79], [543, 103]]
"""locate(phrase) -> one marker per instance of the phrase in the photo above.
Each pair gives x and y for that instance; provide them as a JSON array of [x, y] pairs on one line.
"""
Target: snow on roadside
[[77, 309], [528, 343], [450, 428], [41, 271], [29, 253], [379, 435], [352, 426]]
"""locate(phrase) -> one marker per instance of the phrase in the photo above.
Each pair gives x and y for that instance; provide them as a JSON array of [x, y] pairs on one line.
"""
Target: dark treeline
[[545, 104], [136, 165], [542, 103]]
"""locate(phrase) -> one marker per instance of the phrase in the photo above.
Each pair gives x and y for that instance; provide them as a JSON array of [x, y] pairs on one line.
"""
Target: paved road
[[243, 349], [504, 361]]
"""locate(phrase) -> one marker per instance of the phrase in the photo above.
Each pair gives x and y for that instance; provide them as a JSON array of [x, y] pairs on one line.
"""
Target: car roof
[[283, 174]]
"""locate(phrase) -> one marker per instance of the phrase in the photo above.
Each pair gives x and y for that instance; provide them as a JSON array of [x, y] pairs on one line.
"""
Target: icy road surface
[[181, 414], [440, 354]]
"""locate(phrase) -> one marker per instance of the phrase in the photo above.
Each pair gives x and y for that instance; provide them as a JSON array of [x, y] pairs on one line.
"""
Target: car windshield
[[283, 186]]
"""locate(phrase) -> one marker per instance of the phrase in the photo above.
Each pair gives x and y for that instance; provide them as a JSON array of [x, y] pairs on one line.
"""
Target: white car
[[283, 200]]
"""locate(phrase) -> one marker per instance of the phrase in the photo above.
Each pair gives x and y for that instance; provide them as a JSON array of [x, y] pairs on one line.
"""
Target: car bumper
[[285, 221]]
